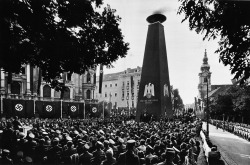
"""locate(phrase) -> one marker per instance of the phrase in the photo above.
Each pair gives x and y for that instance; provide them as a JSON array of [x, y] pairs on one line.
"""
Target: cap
[[175, 149], [76, 132], [101, 131], [170, 151], [28, 159], [31, 135], [58, 131], [56, 139], [22, 135], [20, 153], [131, 142], [106, 142], [5, 151], [120, 140], [111, 141], [68, 138], [99, 144], [86, 146], [45, 133]]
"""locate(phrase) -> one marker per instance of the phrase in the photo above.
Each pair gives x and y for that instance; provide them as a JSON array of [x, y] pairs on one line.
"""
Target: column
[[41, 90], [71, 92], [80, 87], [52, 93], [28, 92], [2, 81]]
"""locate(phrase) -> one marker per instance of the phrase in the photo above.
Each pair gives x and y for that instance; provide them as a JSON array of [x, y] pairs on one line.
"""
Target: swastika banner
[[18, 108], [73, 109], [49, 110]]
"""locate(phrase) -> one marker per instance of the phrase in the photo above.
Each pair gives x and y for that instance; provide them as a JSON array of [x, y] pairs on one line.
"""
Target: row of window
[[106, 95], [110, 85], [123, 84]]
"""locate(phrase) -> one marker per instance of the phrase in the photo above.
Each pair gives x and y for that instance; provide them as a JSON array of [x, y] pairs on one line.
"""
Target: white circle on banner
[[94, 109], [19, 107], [49, 108], [73, 108]]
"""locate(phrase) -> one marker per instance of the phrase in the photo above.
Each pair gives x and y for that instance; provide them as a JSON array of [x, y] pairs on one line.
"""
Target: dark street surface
[[234, 149]]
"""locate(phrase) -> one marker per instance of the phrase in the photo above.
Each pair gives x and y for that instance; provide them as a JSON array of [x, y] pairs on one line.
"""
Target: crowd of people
[[77, 141], [239, 129]]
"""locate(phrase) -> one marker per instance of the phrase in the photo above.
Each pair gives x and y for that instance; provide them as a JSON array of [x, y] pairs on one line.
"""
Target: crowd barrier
[[206, 148]]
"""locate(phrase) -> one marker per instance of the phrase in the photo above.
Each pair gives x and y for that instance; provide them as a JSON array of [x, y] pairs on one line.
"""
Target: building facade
[[121, 89], [25, 85]]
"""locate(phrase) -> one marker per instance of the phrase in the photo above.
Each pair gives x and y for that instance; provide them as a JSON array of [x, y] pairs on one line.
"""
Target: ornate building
[[25, 85], [204, 78]]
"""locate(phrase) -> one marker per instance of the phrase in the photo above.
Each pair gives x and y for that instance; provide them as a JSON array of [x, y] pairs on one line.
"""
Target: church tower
[[204, 78]]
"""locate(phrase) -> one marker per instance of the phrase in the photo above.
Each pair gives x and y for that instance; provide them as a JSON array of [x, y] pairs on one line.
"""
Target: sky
[[185, 48]]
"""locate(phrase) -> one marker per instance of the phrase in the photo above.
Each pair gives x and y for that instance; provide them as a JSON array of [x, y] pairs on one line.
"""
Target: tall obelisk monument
[[154, 98]]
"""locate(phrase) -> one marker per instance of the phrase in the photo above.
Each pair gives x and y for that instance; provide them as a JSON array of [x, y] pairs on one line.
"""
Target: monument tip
[[156, 18]]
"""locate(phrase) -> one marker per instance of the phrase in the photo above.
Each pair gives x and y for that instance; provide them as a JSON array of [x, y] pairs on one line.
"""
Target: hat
[[99, 144], [86, 146], [31, 135], [56, 139], [106, 142], [58, 131], [28, 159], [45, 133], [5, 151], [120, 140], [68, 138], [170, 151], [20, 153], [131, 142], [176, 150], [111, 142], [101, 131], [76, 132], [22, 135]]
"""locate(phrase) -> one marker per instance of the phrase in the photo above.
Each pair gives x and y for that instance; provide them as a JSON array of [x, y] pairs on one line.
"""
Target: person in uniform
[[86, 157], [129, 157]]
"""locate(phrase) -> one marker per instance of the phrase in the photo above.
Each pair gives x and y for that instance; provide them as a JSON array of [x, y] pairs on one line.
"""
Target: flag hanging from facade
[[100, 78], [132, 84], [95, 78]]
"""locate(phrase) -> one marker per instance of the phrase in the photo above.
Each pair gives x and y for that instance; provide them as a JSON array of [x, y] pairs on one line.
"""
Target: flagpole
[[103, 110], [84, 109], [61, 108]]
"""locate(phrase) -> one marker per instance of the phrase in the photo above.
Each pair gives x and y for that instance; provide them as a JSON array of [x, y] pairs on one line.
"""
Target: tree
[[59, 36], [228, 20]]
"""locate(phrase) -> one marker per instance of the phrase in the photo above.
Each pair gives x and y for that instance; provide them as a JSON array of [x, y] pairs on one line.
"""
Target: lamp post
[[207, 109]]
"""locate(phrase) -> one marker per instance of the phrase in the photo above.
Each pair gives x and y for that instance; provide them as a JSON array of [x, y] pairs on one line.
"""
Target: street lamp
[[207, 107]]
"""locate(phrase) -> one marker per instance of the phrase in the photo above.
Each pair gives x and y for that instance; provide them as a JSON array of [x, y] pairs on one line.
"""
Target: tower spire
[[205, 66]]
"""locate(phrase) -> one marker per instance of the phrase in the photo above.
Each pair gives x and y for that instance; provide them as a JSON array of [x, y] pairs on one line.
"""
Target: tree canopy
[[228, 20], [59, 35], [234, 103]]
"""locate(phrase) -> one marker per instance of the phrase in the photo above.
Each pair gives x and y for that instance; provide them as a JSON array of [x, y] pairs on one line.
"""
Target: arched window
[[66, 93], [46, 91], [88, 94], [15, 87], [57, 94], [88, 78]]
